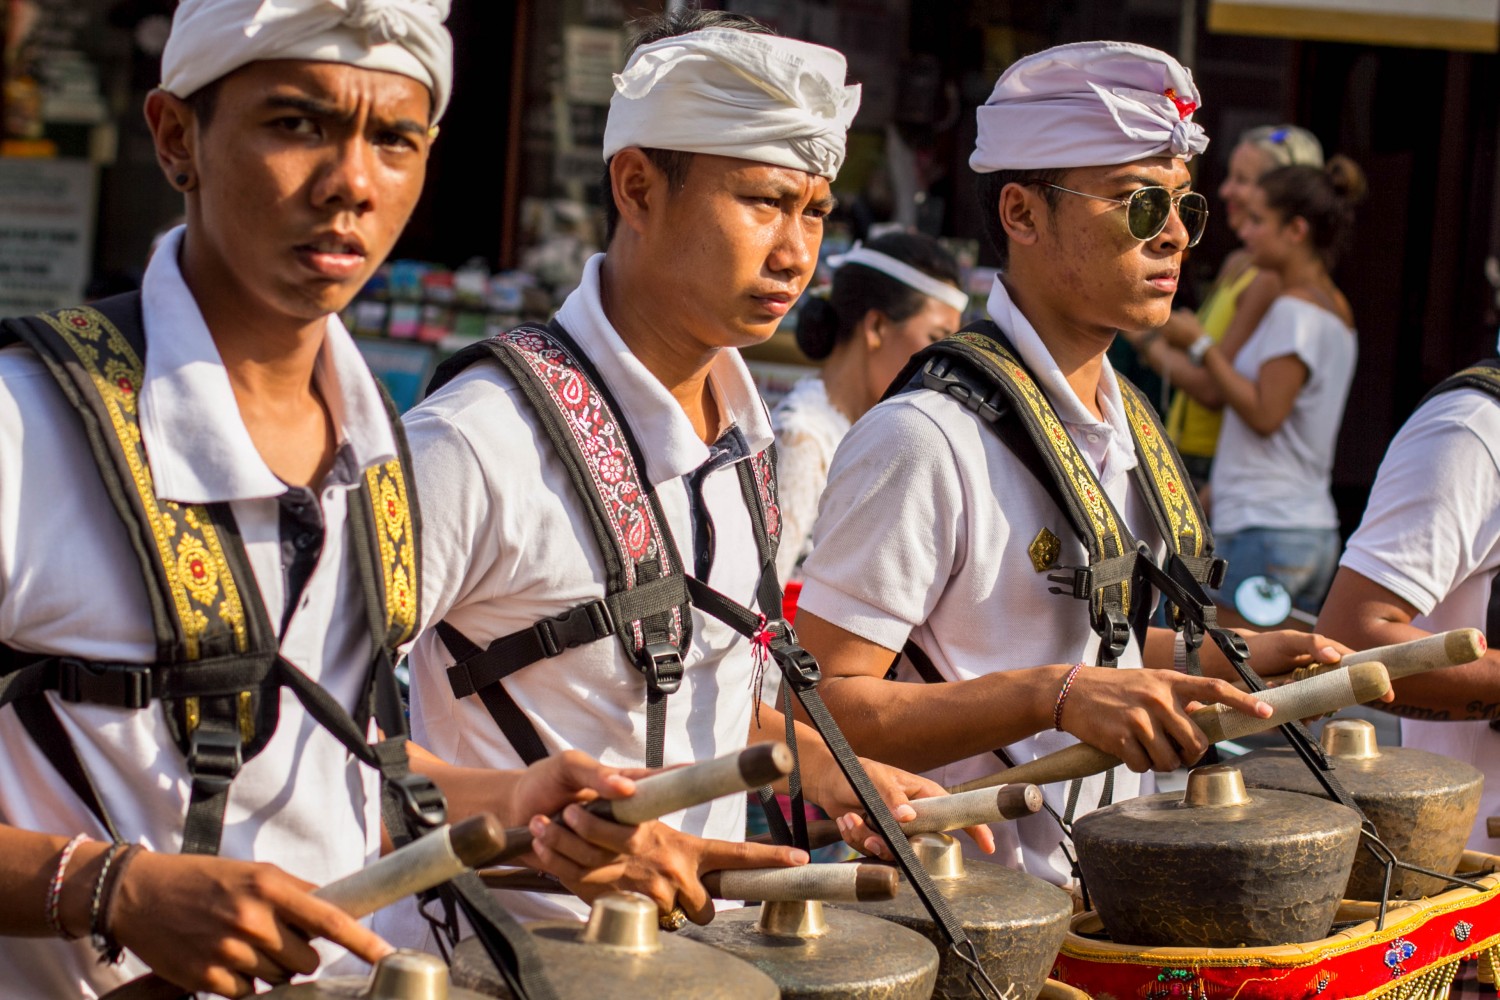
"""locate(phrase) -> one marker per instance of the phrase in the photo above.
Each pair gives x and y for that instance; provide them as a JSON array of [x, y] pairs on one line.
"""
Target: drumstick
[[420, 865], [942, 813], [1319, 695], [835, 883], [1403, 659]]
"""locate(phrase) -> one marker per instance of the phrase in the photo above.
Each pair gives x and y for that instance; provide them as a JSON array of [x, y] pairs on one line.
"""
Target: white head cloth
[[213, 38], [904, 273], [733, 93], [1088, 104]]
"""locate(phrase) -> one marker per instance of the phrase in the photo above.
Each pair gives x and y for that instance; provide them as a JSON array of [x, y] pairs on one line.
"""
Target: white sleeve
[[801, 471], [455, 498], [890, 528], [1288, 329], [1434, 513]]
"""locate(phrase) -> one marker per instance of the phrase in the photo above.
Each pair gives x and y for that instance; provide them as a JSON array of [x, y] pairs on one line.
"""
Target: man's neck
[[681, 364], [1077, 351]]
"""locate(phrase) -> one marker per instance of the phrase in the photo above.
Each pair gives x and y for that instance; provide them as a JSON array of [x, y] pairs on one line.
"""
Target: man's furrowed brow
[[314, 108], [827, 204], [1145, 181]]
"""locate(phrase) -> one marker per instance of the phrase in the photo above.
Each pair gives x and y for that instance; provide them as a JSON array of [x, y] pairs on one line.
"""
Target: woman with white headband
[[890, 299]]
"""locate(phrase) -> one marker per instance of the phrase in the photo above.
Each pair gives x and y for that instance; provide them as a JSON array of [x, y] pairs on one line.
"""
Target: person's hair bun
[[1347, 178], [817, 327]]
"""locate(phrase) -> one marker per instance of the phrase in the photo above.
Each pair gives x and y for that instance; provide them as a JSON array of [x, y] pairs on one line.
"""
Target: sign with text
[[46, 233], [1468, 25]]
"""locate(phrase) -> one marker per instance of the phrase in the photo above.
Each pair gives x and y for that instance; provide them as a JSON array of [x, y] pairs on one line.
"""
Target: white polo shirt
[[507, 542], [923, 533], [70, 584], [1431, 535]]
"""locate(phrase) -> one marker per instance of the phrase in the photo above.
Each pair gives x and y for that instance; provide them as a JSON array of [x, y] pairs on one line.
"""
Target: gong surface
[[859, 957], [1423, 806], [347, 988], [1016, 921], [580, 971], [1267, 872]]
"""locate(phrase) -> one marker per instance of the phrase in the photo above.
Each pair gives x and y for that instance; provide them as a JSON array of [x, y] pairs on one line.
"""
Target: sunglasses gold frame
[[1126, 201]]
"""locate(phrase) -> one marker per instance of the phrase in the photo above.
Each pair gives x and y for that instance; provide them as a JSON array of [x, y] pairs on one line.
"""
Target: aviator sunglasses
[[1149, 208]]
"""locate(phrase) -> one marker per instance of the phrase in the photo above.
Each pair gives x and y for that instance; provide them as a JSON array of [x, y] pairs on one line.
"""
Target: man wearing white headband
[[205, 530], [938, 536], [720, 146]]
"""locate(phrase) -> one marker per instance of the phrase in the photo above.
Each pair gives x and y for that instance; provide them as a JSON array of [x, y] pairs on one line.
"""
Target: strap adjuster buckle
[[1072, 581], [1217, 570], [574, 627], [421, 799], [798, 666], [1114, 633], [120, 685], [662, 665], [214, 756]]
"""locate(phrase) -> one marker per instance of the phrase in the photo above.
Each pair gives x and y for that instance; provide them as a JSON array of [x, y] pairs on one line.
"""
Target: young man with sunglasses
[[934, 535]]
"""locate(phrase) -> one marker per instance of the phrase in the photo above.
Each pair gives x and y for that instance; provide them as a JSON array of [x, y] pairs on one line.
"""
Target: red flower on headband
[[1184, 108]]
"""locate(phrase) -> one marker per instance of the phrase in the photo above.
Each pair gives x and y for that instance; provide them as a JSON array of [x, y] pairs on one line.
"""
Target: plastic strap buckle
[[1072, 581], [120, 685], [662, 665], [421, 799], [574, 627], [214, 756]]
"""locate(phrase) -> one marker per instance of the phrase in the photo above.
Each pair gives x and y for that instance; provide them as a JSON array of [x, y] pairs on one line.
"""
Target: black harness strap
[[646, 601], [218, 669]]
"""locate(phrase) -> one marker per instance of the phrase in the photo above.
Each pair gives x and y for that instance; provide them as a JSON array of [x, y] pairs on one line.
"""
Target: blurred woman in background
[[890, 298], [1240, 296], [1284, 391]]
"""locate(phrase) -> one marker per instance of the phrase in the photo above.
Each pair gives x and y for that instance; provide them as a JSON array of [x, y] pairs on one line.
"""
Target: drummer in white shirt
[[720, 145], [298, 133], [929, 524]]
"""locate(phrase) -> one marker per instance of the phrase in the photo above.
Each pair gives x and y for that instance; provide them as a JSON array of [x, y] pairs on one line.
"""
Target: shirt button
[[305, 540], [1094, 437]]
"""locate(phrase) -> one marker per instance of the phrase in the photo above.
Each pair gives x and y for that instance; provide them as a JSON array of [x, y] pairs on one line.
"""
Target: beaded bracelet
[[100, 934], [54, 890], [1062, 696], [110, 855]]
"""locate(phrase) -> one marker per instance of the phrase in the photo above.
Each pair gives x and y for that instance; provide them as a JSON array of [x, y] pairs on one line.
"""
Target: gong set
[[1250, 859]]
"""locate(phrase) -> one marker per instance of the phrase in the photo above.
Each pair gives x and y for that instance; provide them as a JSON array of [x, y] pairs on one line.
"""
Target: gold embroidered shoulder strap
[[1001, 386], [1164, 481], [195, 594], [1484, 376]]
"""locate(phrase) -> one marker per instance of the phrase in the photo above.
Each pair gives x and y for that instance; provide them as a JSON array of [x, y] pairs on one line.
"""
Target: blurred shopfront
[[1406, 87]]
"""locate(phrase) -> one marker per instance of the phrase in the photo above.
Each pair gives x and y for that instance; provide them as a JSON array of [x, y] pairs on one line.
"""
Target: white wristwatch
[[1199, 348]]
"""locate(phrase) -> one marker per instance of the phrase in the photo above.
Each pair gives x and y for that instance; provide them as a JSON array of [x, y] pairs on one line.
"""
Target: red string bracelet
[[1062, 696]]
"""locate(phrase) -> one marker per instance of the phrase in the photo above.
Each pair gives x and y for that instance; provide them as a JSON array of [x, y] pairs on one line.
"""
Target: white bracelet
[[1179, 653], [1199, 348]]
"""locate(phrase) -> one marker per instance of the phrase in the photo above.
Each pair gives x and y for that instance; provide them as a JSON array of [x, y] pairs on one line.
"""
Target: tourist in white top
[[298, 176], [1424, 559], [927, 519], [890, 298], [714, 233], [1284, 391]]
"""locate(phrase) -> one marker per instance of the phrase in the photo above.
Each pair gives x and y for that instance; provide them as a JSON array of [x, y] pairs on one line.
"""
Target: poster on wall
[[1468, 25], [46, 233]]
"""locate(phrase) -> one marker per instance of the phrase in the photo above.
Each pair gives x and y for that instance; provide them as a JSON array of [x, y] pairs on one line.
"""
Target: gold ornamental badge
[[1044, 550]]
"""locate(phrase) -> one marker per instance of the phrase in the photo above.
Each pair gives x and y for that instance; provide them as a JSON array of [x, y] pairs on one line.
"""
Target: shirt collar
[[1120, 455], [196, 442], [672, 447]]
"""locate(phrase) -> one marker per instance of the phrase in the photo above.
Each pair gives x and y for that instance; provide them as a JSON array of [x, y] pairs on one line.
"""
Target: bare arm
[[1265, 403], [1168, 353], [1363, 614], [1139, 716]]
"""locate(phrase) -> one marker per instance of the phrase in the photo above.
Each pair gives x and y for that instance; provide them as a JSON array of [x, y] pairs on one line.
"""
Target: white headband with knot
[[1088, 104], [213, 38], [902, 272], [734, 93]]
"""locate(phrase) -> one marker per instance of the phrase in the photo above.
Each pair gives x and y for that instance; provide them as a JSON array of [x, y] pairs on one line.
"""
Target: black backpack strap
[[977, 367], [645, 606]]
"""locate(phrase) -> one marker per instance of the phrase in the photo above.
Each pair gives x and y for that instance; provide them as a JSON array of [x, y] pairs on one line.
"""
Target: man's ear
[[174, 131], [1022, 212], [639, 187]]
